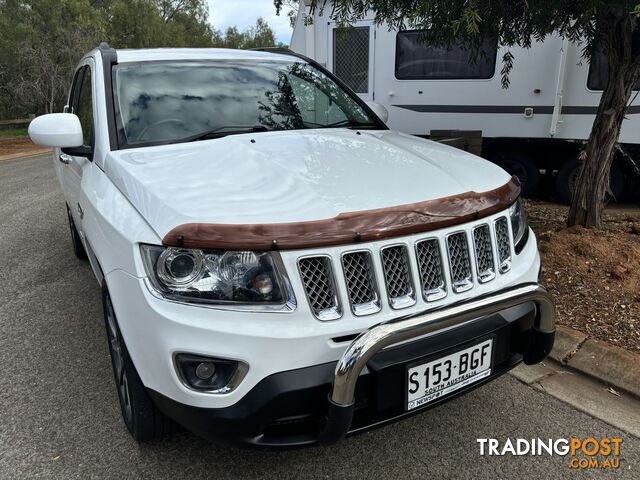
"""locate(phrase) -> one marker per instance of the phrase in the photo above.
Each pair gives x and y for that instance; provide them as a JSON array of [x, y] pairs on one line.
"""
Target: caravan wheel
[[522, 166], [568, 173]]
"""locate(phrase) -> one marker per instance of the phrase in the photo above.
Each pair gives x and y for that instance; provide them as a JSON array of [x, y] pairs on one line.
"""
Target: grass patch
[[13, 132], [536, 225]]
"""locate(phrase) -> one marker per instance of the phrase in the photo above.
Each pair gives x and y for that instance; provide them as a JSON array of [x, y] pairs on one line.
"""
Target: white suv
[[278, 268]]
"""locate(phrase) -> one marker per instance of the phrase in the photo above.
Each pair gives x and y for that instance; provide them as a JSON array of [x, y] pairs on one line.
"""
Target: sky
[[244, 13]]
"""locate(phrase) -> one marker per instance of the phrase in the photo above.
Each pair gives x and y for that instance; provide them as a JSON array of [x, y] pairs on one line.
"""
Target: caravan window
[[416, 60], [599, 69]]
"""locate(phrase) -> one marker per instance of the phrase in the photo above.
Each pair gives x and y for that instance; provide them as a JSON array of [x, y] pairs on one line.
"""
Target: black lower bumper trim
[[539, 347], [291, 408]]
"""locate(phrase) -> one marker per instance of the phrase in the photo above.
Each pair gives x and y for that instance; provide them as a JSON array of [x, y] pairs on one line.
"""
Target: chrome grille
[[484, 253], [361, 286], [319, 285], [440, 259], [430, 267], [504, 245], [395, 263], [459, 263]]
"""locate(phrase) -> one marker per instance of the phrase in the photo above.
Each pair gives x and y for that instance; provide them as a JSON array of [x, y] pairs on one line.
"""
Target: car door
[[74, 163], [63, 159]]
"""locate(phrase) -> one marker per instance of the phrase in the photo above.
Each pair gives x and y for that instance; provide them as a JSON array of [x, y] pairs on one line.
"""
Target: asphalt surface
[[59, 414]]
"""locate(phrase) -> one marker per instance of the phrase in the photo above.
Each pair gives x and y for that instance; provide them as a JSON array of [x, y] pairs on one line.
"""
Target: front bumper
[[365, 388]]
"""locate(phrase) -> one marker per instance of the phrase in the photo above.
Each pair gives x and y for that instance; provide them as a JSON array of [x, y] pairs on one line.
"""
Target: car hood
[[292, 176]]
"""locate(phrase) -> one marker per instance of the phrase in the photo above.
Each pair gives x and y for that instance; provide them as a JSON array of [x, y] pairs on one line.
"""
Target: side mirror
[[60, 130], [379, 110]]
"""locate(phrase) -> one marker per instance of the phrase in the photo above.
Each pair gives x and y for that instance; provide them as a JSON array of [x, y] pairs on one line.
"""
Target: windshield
[[171, 102]]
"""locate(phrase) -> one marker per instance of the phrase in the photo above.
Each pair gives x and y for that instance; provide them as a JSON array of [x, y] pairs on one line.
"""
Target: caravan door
[[351, 56]]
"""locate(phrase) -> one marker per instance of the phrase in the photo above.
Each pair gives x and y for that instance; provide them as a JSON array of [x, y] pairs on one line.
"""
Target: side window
[[314, 105], [85, 107], [75, 90], [319, 101], [416, 60]]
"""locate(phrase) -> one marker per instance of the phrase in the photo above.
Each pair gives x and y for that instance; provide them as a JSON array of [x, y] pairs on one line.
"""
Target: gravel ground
[[59, 416], [11, 145]]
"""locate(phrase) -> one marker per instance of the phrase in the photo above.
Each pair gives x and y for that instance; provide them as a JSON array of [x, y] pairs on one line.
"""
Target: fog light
[[207, 374], [205, 371]]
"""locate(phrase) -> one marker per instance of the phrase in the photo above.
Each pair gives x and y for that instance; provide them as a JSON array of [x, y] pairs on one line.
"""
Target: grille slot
[[430, 267], [397, 276], [504, 245], [319, 285], [361, 285], [459, 264], [484, 253]]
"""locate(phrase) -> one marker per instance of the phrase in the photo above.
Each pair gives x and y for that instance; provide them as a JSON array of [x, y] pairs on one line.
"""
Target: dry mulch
[[10, 146], [594, 275]]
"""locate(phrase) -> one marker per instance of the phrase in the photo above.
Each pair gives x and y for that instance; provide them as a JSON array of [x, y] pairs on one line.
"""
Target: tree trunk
[[592, 183]]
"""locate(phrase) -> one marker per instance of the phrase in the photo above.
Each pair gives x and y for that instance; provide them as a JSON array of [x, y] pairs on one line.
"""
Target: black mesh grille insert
[[484, 252], [317, 278], [359, 277], [396, 271], [428, 255], [459, 257], [504, 245]]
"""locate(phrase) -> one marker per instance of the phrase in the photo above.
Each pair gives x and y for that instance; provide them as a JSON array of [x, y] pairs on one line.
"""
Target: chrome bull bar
[[367, 344]]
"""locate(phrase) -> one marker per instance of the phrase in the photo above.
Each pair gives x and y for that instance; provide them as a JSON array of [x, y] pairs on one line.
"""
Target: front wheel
[[142, 418]]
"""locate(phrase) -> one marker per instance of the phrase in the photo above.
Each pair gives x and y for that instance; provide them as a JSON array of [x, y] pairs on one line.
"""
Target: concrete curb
[[608, 363]]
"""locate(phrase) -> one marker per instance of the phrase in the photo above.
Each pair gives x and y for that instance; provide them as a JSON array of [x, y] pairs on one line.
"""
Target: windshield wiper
[[350, 124], [223, 132]]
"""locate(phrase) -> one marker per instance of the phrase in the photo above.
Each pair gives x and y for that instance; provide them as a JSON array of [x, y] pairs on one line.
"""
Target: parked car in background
[[279, 268], [539, 124]]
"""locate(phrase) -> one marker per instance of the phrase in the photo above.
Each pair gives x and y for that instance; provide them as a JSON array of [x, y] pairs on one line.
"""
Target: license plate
[[432, 380]]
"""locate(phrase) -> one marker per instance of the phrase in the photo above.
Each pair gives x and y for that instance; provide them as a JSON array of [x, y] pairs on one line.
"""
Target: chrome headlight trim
[[519, 225]]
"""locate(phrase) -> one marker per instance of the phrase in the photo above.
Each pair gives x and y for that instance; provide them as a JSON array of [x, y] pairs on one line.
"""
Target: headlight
[[215, 276], [519, 225]]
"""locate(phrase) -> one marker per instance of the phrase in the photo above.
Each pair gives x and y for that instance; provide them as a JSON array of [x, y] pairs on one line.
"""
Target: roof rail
[[273, 49], [286, 51]]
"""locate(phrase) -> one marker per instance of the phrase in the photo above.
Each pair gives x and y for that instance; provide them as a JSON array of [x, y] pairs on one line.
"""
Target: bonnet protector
[[352, 227]]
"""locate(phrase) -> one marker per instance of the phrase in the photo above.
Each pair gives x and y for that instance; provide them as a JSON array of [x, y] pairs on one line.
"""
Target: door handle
[[64, 158]]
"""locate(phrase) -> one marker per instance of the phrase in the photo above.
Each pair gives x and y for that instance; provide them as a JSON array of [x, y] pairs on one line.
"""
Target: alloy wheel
[[117, 355]]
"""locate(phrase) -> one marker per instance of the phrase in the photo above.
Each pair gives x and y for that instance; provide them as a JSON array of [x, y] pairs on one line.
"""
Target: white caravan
[[538, 123]]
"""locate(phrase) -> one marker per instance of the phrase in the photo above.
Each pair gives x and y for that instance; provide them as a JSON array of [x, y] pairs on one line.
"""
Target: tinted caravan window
[[599, 69], [416, 60]]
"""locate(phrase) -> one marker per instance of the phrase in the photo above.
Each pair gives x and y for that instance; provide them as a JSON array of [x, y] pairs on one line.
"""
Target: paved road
[[59, 415]]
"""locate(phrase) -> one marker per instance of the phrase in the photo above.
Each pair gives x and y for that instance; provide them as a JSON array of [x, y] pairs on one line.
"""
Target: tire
[[569, 172], [522, 166], [143, 419], [78, 248]]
